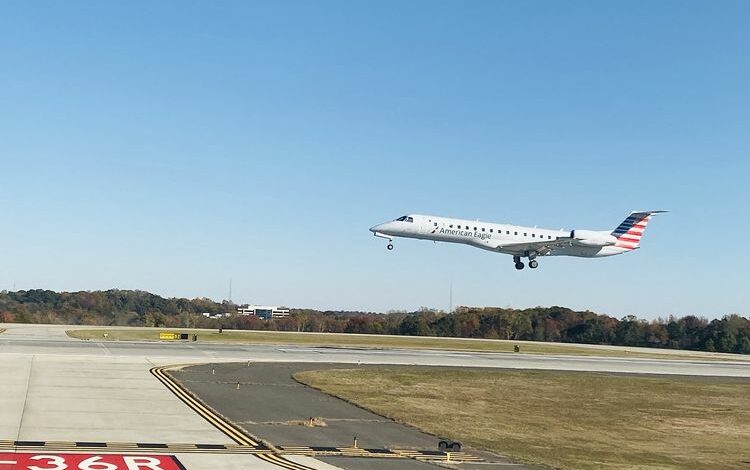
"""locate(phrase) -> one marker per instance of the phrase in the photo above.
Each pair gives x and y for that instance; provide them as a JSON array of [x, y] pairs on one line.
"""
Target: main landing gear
[[533, 263]]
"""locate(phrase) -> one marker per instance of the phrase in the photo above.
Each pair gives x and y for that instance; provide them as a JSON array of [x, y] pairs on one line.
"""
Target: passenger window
[[475, 229], [482, 229], [515, 233], [435, 223], [525, 234], [507, 232], [533, 235], [491, 230], [451, 226]]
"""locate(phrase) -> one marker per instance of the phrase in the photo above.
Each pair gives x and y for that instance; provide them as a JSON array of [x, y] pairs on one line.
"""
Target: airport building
[[265, 312], [216, 315]]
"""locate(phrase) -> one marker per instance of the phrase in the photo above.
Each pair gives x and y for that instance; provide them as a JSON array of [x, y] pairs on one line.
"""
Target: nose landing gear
[[387, 237], [533, 264]]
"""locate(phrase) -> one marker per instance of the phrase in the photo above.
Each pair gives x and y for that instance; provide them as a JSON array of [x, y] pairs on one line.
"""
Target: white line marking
[[8, 462], [105, 349]]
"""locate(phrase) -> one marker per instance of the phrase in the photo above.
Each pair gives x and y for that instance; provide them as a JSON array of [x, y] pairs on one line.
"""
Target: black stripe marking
[[210, 446], [325, 449], [91, 444], [146, 445], [30, 443]]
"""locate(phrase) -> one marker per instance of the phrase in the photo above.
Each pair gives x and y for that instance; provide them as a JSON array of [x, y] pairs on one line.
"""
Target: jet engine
[[591, 238]]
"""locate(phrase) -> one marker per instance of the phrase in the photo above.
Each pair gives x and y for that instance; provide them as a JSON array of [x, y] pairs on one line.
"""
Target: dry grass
[[380, 341], [563, 419]]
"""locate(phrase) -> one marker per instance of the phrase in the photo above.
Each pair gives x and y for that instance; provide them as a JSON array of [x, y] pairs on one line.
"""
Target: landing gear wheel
[[456, 447], [519, 265], [443, 446], [390, 246], [533, 264]]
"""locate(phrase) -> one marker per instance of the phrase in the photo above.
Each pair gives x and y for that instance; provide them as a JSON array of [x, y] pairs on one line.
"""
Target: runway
[[51, 340], [57, 389]]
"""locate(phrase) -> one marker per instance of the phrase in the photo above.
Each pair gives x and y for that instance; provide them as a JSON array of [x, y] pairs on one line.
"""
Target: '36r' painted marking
[[25, 461]]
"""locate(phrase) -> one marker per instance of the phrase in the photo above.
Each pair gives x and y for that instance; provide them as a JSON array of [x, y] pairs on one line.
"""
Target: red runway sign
[[54, 461]]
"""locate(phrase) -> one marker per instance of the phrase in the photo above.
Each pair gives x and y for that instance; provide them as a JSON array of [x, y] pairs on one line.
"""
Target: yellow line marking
[[223, 425], [206, 413]]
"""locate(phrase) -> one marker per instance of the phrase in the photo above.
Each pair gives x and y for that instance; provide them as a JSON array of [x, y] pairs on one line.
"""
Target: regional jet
[[520, 242]]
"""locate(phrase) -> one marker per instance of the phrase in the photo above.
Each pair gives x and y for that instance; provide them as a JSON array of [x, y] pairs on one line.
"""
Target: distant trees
[[112, 307], [137, 308]]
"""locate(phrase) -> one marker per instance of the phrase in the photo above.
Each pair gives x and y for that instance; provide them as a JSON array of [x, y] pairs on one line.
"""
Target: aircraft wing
[[541, 247]]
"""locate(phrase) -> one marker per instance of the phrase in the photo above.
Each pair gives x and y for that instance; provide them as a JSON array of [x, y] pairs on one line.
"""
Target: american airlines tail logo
[[630, 231]]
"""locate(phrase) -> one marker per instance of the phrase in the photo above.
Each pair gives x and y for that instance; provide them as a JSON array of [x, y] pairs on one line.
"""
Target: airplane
[[520, 242]]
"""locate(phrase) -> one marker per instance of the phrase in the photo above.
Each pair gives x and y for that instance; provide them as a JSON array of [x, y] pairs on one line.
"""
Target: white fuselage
[[501, 238]]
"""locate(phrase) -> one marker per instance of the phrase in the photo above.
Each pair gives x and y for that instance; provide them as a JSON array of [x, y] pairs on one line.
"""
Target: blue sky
[[171, 146]]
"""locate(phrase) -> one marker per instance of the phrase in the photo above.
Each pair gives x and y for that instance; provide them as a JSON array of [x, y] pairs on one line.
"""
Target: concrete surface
[[87, 394], [105, 399], [231, 462]]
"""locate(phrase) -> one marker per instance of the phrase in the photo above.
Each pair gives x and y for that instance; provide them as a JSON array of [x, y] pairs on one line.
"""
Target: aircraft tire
[[533, 264], [519, 266]]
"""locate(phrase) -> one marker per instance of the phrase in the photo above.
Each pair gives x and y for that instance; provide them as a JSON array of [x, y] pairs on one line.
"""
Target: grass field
[[562, 419], [382, 341]]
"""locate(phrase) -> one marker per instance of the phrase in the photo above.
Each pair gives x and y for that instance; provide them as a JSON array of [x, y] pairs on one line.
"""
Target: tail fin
[[630, 231]]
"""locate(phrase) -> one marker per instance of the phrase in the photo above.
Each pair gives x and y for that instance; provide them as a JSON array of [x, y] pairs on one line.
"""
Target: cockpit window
[[405, 218], [401, 219], [410, 219]]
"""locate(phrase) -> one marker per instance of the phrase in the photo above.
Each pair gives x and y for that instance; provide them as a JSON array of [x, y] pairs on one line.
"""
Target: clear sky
[[170, 146]]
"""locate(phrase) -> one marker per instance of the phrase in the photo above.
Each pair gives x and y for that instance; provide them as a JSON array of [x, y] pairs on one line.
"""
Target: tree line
[[559, 324]]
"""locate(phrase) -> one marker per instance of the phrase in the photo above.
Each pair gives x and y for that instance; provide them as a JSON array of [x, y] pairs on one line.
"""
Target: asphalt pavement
[[272, 406]]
